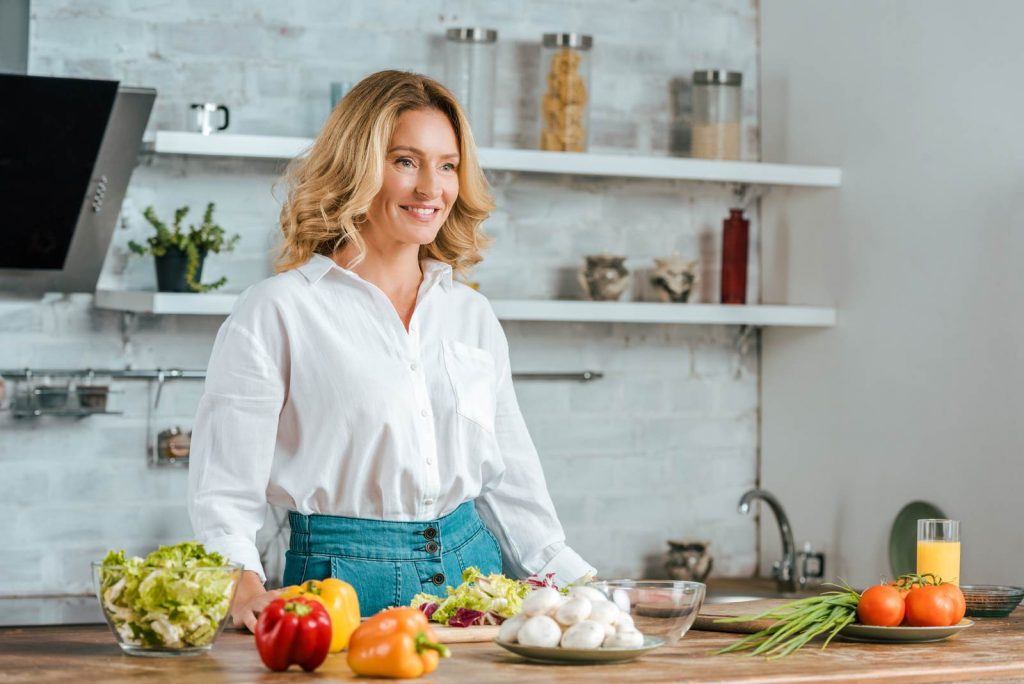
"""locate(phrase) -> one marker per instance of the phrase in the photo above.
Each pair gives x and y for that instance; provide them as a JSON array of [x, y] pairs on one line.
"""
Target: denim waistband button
[[432, 547], [438, 578]]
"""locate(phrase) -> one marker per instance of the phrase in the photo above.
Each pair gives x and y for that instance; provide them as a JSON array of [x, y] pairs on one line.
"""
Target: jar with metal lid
[[717, 112], [565, 102], [469, 68]]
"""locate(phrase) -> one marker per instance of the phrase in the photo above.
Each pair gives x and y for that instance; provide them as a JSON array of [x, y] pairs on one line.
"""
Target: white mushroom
[[572, 611], [541, 600], [562, 599], [604, 612], [625, 620], [609, 631], [587, 593], [540, 630], [624, 638], [509, 631], [586, 634], [621, 599]]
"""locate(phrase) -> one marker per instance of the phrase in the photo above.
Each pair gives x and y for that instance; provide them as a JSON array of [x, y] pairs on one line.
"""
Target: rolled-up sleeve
[[519, 510], [233, 441]]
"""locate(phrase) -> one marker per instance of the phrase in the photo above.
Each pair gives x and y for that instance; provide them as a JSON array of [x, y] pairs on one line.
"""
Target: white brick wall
[[661, 447]]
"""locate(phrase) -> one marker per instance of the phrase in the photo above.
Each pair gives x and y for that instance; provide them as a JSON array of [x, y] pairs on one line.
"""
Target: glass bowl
[[172, 611], [988, 600], [662, 608]]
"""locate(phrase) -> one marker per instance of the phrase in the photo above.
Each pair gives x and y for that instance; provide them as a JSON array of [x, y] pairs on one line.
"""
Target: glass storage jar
[[469, 68], [716, 114], [565, 102]]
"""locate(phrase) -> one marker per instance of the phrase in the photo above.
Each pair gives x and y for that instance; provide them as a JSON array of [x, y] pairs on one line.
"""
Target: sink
[[736, 589]]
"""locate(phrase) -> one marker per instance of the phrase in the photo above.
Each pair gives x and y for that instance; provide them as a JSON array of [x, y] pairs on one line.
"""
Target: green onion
[[797, 622]]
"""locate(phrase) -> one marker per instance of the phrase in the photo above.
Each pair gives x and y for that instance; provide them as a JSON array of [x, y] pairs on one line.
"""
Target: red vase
[[735, 244]]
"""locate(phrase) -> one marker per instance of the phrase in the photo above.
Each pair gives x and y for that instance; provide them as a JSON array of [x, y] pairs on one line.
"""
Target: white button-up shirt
[[317, 399]]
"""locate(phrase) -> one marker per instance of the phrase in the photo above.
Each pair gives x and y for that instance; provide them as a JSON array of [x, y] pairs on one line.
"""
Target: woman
[[363, 387]]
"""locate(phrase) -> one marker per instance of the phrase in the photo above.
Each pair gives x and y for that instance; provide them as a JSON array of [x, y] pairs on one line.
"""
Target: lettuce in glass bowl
[[174, 601]]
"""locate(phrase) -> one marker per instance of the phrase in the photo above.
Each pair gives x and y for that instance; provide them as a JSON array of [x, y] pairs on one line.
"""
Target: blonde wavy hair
[[331, 188]]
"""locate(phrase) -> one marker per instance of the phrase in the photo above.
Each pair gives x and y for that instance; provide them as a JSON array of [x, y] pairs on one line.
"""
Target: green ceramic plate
[[903, 537], [881, 635], [557, 654]]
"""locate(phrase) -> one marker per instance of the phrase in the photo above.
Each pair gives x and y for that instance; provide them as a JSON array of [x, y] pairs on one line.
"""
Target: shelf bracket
[[744, 336], [128, 319], [748, 193]]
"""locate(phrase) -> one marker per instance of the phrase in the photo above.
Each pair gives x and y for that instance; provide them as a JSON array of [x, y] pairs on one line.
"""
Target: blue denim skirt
[[390, 562]]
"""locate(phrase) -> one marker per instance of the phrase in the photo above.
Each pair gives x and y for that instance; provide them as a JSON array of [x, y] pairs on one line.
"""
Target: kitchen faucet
[[784, 570]]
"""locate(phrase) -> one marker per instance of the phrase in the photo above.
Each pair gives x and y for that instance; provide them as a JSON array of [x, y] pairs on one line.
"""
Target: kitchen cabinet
[[991, 650]]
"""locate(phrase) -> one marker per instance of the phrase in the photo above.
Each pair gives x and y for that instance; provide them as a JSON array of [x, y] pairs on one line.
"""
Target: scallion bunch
[[797, 622]]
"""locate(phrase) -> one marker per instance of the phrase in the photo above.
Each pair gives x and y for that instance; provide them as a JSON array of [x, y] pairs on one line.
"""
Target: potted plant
[[179, 254]]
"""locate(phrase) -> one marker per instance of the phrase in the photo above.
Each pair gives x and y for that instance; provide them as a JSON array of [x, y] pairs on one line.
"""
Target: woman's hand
[[250, 598]]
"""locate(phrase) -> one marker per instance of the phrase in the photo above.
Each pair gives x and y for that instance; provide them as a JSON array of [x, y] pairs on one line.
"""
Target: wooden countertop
[[991, 650]]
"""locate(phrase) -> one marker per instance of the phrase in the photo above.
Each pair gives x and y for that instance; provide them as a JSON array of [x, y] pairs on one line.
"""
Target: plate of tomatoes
[[915, 608]]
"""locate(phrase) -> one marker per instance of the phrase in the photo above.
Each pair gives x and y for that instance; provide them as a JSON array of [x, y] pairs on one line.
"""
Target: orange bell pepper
[[396, 643], [341, 602]]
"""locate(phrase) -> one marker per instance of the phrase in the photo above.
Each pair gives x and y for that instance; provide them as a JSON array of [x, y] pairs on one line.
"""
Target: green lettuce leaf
[[495, 594]]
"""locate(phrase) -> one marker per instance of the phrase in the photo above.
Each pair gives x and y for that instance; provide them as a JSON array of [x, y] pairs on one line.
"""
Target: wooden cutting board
[[710, 612], [465, 635]]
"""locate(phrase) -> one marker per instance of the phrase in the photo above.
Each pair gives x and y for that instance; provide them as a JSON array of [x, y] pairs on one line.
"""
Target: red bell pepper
[[295, 630]]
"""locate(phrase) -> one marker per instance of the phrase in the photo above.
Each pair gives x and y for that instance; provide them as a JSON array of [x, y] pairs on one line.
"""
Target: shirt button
[[424, 413], [438, 579], [413, 367], [430, 461], [432, 547], [428, 502]]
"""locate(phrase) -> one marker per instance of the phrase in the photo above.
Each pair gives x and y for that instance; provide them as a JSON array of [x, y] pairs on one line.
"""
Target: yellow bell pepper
[[341, 602]]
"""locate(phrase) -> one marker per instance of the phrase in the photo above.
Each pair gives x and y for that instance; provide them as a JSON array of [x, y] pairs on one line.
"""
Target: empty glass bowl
[[173, 611], [663, 608]]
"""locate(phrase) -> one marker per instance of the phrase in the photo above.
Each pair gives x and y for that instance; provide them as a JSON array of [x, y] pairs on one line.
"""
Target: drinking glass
[[938, 549]]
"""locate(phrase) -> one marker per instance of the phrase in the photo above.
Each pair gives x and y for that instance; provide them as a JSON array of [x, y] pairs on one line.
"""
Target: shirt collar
[[437, 269], [316, 268], [319, 265]]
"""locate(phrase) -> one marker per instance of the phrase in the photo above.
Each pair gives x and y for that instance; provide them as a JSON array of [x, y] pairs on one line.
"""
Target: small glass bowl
[[663, 608], [986, 600], [137, 632]]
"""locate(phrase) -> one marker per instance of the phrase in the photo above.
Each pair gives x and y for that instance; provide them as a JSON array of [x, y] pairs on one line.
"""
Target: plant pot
[[171, 269]]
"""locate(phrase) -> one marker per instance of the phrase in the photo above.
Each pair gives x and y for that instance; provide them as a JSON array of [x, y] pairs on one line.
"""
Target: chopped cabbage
[[175, 597]]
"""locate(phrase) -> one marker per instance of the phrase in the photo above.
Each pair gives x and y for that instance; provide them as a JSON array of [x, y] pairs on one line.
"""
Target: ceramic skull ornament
[[674, 278]]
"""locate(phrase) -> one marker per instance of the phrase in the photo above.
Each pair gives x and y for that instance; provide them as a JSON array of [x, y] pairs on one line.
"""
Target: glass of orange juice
[[938, 549]]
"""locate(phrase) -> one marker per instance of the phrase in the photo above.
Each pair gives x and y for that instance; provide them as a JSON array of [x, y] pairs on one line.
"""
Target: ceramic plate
[[879, 635], [903, 537], [557, 654]]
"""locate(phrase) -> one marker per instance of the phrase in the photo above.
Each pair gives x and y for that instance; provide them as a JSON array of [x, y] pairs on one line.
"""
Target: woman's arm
[[519, 511], [232, 450]]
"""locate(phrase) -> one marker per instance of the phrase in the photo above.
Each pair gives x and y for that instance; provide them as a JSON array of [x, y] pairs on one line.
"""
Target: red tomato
[[958, 600], [931, 606], [881, 605]]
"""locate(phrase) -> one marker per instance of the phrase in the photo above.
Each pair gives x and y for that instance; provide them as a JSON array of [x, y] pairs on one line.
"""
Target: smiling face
[[420, 184]]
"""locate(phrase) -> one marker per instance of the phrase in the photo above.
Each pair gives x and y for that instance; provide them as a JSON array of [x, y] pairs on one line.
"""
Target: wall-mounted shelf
[[520, 310], [533, 161]]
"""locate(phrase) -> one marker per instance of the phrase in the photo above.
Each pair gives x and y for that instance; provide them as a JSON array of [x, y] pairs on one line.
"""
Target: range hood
[[68, 147]]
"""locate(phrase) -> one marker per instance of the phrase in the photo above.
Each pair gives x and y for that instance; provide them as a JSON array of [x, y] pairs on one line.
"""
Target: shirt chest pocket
[[472, 373]]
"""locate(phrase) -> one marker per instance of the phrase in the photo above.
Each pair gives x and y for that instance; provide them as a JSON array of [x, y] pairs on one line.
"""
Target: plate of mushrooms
[[582, 626]]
